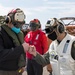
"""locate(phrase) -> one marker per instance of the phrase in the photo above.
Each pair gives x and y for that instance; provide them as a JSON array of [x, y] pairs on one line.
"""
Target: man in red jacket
[[37, 38]]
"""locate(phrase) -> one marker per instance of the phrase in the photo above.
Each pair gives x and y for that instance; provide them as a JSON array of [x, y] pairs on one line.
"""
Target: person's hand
[[32, 50], [26, 46], [22, 70], [49, 68]]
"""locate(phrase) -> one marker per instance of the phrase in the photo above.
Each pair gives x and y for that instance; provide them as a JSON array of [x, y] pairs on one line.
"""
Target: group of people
[[17, 50]]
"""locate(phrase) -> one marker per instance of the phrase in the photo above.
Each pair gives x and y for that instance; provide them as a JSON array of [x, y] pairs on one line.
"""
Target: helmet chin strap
[[57, 32]]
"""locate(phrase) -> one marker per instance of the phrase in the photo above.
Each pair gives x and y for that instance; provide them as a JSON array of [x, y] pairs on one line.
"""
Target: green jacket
[[42, 59], [18, 39]]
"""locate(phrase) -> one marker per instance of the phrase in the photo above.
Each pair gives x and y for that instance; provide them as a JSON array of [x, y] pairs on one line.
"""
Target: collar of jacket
[[17, 38]]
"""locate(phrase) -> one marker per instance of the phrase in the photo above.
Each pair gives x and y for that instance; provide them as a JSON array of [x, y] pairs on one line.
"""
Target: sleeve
[[42, 59], [73, 50], [9, 54], [44, 43]]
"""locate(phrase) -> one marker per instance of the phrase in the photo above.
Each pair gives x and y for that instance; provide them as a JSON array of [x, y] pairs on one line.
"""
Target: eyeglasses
[[50, 29]]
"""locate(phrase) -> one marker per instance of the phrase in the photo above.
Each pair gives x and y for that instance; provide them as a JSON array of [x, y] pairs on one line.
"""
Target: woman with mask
[[61, 54]]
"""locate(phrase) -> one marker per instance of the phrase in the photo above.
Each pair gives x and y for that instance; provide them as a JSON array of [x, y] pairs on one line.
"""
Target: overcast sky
[[41, 9]]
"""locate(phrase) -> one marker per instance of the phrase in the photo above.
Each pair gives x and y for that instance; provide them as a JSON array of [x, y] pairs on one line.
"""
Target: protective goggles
[[33, 25], [50, 29]]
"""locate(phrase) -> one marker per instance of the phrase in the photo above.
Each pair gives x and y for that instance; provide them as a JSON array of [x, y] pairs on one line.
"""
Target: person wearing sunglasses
[[61, 53]]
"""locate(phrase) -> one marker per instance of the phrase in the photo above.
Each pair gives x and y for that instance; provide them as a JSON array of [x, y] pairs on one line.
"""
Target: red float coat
[[39, 40]]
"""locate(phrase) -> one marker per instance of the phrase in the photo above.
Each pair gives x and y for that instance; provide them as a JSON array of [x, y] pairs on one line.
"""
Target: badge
[[52, 54]]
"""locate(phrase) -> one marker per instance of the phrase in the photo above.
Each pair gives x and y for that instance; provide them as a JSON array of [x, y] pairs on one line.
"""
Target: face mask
[[52, 36], [18, 25], [16, 30]]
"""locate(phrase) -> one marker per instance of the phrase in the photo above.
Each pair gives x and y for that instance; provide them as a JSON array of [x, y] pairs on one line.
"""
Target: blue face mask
[[16, 30]]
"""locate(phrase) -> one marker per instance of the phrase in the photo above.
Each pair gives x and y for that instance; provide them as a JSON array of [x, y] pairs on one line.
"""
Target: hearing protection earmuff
[[54, 22], [60, 26], [16, 15], [7, 19]]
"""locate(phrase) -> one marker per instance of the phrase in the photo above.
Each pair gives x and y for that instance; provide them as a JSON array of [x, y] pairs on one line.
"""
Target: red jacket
[[39, 39]]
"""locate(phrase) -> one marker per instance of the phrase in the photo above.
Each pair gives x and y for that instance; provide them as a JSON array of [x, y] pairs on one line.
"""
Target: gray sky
[[40, 9]]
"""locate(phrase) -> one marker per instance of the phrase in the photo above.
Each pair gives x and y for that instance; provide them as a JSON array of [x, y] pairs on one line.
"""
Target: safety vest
[[18, 39], [60, 56]]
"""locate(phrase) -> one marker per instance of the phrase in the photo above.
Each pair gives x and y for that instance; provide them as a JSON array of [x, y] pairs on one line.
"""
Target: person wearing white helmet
[[61, 54], [12, 46]]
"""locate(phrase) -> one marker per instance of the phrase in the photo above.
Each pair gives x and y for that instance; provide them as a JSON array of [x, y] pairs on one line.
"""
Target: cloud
[[67, 13], [4, 10], [48, 6], [51, 6], [44, 10], [60, 2], [45, 0]]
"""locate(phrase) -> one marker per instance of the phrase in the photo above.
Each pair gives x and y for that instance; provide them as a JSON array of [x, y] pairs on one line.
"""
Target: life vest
[[60, 56], [39, 40]]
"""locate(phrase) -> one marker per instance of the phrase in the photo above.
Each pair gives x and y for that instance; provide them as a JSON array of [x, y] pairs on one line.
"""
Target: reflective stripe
[[66, 46]]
